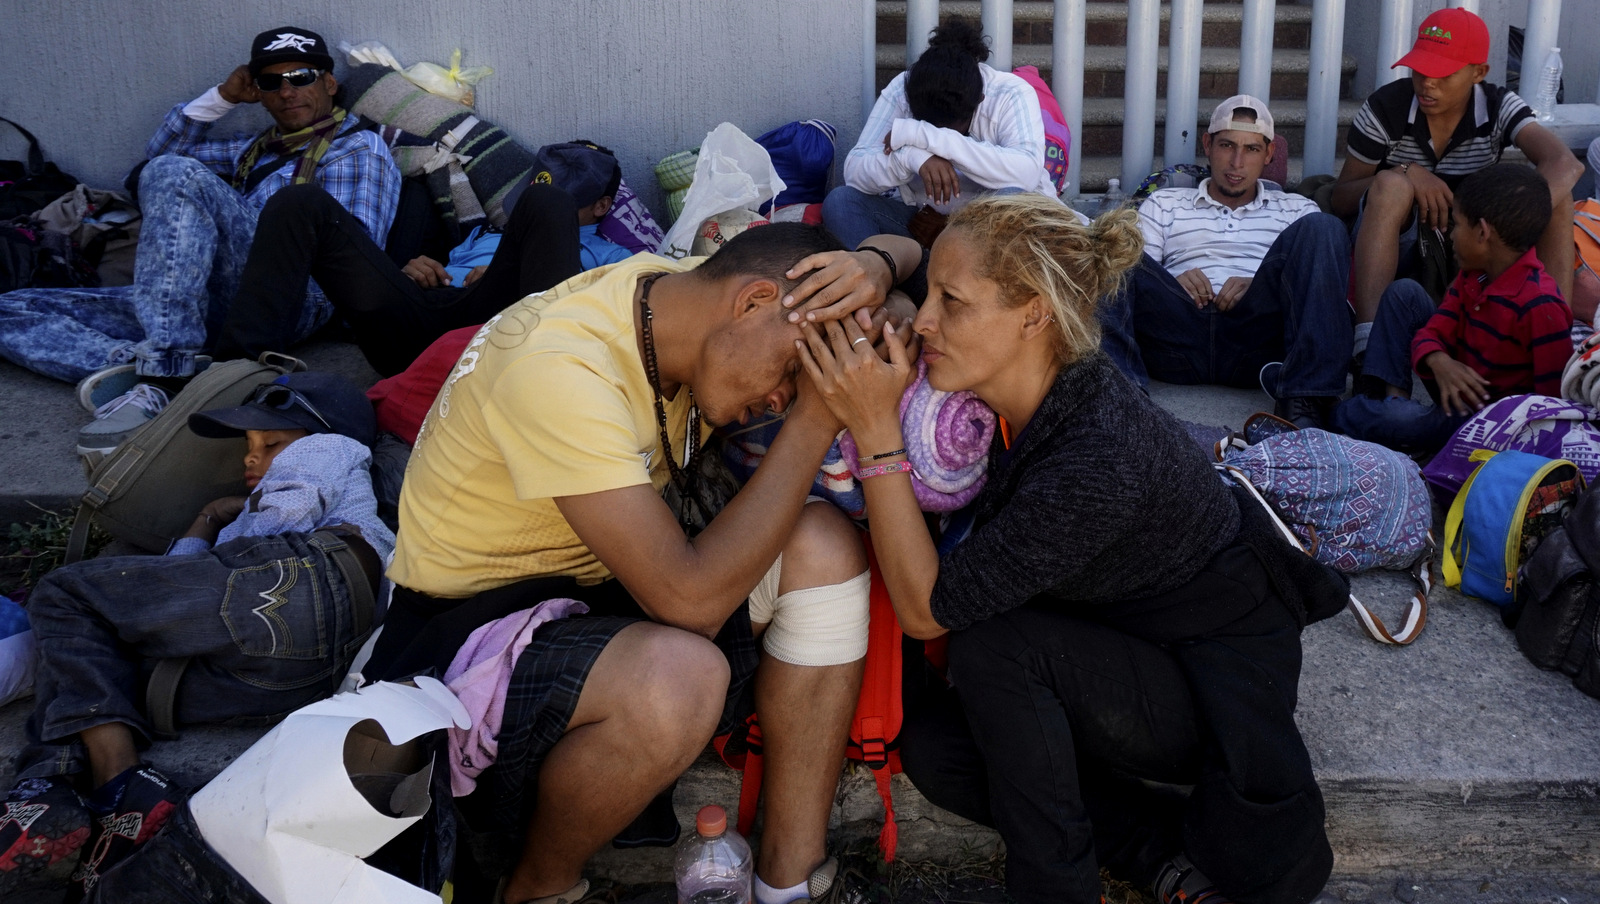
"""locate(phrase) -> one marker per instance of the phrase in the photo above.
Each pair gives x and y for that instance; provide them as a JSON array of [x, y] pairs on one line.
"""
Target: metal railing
[[1396, 31]]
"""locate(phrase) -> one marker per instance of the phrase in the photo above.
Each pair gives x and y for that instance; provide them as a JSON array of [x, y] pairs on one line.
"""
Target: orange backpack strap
[[744, 754], [874, 730], [750, 787], [876, 726]]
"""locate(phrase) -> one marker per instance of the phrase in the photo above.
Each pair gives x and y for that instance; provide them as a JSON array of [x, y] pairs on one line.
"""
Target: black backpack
[[1560, 624], [26, 186], [17, 249]]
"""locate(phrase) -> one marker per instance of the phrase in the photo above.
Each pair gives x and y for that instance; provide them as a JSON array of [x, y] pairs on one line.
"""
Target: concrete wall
[[644, 77], [1579, 39]]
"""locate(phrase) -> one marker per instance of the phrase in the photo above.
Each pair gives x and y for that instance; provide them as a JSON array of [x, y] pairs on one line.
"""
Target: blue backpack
[[802, 153], [1504, 509]]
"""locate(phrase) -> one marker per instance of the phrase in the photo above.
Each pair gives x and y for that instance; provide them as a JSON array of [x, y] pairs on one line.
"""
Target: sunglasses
[[282, 398], [299, 78]]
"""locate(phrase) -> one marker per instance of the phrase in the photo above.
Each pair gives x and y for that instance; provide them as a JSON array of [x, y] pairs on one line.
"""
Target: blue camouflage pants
[[192, 247]]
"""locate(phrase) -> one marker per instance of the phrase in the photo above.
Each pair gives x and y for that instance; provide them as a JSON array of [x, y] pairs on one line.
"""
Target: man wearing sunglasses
[[131, 347]]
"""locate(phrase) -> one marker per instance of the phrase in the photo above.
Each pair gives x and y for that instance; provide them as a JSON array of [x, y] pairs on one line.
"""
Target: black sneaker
[[1305, 412], [44, 826], [148, 800], [1179, 882]]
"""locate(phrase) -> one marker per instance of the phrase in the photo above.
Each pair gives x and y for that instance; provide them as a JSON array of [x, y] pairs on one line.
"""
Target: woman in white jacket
[[941, 134]]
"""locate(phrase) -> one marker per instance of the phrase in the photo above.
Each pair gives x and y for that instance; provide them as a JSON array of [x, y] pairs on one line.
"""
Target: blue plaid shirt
[[357, 169]]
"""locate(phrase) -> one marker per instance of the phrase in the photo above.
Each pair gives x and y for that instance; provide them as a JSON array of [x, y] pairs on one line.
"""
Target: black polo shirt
[[1391, 130]]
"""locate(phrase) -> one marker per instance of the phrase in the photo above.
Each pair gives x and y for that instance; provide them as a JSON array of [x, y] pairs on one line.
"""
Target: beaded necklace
[[653, 372]]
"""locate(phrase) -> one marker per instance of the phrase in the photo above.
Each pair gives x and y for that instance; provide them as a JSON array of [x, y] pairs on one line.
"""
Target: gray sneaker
[[104, 385], [117, 419], [108, 383]]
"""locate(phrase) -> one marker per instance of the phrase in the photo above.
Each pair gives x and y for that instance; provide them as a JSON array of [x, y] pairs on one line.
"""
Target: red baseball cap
[[1448, 40]]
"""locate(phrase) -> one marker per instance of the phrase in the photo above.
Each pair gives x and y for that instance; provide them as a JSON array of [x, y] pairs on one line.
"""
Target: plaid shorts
[[543, 695]]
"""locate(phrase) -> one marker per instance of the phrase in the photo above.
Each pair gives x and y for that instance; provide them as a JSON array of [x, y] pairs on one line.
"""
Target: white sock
[[766, 894], [1363, 330]]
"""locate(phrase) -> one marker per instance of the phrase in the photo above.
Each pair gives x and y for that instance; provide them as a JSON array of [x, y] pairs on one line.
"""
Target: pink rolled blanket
[[947, 439]]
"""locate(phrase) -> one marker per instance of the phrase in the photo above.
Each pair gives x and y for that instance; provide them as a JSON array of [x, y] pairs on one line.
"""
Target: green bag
[[147, 491]]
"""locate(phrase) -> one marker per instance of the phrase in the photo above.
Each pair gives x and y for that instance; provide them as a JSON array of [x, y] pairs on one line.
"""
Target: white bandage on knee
[[765, 596], [819, 626]]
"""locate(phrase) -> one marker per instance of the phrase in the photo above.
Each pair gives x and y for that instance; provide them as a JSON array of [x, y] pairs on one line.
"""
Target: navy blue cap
[[582, 169], [314, 402]]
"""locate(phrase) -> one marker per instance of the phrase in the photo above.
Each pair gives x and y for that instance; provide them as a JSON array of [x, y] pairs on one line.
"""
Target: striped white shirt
[[1185, 228], [1003, 148], [1390, 130]]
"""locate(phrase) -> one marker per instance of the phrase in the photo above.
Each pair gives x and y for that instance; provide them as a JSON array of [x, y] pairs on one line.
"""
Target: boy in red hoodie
[[1503, 328]]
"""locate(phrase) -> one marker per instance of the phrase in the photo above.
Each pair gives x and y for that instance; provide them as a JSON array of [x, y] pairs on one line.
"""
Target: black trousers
[[1074, 730], [303, 233]]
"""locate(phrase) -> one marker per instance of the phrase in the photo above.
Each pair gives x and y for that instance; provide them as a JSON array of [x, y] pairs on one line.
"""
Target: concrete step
[[1453, 758], [1107, 23], [1103, 69], [1102, 122]]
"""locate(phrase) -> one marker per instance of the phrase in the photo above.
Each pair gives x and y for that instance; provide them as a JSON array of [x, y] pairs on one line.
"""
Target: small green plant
[[35, 548]]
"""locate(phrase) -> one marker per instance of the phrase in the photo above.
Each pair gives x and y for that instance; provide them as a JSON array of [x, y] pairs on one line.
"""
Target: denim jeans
[[852, 215], [267, 620], [1294, 311], [1406, 424], [192, 247]]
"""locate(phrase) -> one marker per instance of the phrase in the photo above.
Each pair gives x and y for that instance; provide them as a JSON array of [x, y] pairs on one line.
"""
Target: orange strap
[[750, 787]]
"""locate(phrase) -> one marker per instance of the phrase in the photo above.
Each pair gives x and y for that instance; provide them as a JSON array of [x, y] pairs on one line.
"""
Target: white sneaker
[[117, 419]]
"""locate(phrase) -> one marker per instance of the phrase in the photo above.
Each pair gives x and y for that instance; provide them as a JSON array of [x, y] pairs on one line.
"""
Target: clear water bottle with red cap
[[713, 865]]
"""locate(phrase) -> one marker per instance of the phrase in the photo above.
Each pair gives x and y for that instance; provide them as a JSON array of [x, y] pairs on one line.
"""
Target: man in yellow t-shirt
[[538, 474]]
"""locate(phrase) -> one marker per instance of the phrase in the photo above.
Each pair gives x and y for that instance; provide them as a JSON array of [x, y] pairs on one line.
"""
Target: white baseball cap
[[1222, 118]]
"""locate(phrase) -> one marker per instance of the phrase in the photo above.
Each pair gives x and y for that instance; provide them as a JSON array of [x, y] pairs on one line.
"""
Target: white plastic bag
[[288, 816], [370, 52], [733, 172], [455, 83]]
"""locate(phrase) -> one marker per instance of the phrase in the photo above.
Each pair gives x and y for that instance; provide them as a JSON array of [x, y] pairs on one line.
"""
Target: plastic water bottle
[[713, 866], [1113, 198], [1549, 85]]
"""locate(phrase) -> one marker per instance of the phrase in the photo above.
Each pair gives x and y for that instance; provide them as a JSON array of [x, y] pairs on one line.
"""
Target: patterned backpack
[[1352, 505]]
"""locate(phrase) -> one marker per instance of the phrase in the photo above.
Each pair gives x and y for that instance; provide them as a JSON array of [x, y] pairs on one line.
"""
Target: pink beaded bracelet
[[896, 467]]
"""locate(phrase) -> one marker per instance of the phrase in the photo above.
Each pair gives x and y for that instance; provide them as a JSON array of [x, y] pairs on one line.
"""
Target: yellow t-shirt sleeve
[[563, 428]]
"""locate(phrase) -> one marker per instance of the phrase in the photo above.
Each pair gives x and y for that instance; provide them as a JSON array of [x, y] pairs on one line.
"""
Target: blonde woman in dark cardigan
[[1117, 619]]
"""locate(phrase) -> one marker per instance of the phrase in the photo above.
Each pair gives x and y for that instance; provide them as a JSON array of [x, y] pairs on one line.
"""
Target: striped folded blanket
[[471, 164], [743, 450]]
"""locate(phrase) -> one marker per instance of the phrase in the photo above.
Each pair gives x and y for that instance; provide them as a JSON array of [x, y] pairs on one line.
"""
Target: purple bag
[[630, 224], [1542, 425]]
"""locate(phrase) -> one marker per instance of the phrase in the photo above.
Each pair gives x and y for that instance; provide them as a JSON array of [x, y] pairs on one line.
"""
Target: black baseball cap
[[289, 44], [582, 169], [314, 402]]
